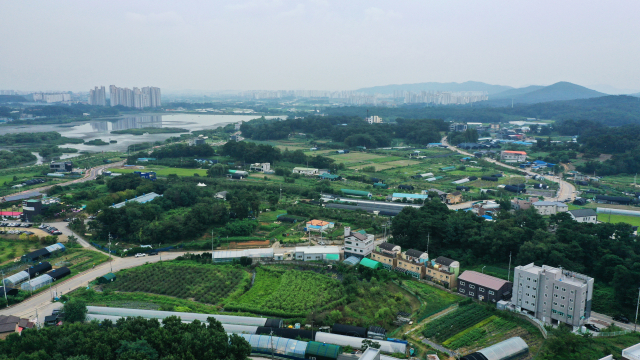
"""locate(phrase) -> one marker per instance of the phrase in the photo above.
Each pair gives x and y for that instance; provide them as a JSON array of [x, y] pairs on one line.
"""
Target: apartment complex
[[137, 98], [98, 96], [550, 207], [357, 244], [552, 295], [51, 97], [443, 271], [374, 120]]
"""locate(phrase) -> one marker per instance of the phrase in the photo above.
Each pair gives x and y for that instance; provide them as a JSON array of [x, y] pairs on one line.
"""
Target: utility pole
[[428, 241], [212, 246], [4, 287], [483, 268], [271, 342], [110, 259], [509, 270]]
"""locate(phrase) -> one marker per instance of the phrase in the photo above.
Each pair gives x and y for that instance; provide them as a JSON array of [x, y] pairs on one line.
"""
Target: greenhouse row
[[27, 274], [46, 279]]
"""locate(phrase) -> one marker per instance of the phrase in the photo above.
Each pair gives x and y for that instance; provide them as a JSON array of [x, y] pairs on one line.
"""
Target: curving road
[[566, 190], [91, 174]]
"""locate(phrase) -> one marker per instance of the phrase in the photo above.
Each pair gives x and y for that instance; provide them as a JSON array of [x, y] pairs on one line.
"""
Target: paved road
[[90, 174], [566, 190], [601, 320], [42, 301]]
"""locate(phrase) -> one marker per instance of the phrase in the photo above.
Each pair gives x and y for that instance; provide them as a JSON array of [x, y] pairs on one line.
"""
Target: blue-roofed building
[[431, 145], [146, 159], [400, 196], [145, 198]]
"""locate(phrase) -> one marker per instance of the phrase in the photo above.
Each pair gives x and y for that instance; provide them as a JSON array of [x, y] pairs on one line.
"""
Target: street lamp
[[483, 268]]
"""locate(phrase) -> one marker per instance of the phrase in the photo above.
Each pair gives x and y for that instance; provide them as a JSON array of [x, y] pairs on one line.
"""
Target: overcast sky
[[316, 44]]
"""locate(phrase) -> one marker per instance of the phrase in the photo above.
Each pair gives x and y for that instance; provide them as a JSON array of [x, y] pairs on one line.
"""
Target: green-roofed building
[[330, 177], [107, 278], [370, 263], [332, 257], [447, 168], [350, 192], [322, 351]]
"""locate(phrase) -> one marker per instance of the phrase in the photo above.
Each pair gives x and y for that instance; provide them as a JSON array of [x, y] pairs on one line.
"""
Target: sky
[[316, 44]]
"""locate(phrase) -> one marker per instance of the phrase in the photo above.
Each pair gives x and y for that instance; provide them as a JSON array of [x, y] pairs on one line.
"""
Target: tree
[[368, 343], [75, 310]]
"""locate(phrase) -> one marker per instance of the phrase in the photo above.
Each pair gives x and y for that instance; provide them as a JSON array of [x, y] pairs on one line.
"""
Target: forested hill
[[538, 94], [613, 110], [436, 86], [12, 98]]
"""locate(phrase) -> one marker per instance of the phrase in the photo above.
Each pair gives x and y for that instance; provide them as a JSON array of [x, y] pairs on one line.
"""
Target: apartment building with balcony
[[387, 254], [357, 244], [443, 271], [413, 262]]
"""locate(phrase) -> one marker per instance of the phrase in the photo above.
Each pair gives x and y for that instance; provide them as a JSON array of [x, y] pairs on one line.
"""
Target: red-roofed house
[[513, 156]]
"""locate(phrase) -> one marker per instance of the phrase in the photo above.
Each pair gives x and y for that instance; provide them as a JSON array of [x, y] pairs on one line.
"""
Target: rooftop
[[481, 279], [414, 253], [145, 198], [318, 223], [318, 249], [583, 212], [514, 152], [566, 276], [410, 196], [549, 203]]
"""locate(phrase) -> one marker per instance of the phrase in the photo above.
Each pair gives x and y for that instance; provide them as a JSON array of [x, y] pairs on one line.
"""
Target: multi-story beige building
[[387, 254], [443, 271], [412, 262]]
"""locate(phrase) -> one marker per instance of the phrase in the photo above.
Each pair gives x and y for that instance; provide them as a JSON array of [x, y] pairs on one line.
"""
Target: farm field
[[208, 284], [473, 326], [354, 157], [434, 299], [79, 260], [163, 171], [12, 249], [287, 293], [614, 219]]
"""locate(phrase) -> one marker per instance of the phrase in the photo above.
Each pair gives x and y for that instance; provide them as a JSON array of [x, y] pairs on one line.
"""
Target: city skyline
[[148, 96]]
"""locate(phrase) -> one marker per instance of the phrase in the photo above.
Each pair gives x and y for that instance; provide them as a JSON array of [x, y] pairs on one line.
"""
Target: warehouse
[[509, 349], [349, 192], [36, 255], [319, 253], [38, 269]]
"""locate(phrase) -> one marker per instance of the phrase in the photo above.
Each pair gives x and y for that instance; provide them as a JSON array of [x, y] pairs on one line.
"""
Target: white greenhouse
[[16, 279], [265, 344], [356, 342], [37, 283]]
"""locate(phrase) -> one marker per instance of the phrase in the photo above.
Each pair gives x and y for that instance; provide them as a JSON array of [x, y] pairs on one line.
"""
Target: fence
[[613, 333], [539, 324], [103, 248]]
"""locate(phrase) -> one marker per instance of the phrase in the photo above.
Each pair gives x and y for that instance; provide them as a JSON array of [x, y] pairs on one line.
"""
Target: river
[[101, 129]]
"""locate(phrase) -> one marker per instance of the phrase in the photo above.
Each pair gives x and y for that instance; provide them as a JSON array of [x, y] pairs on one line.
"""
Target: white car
[[140, 255]]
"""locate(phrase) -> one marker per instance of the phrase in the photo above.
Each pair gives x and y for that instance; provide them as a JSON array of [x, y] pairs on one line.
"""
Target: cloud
[[161, 19], [254, 5], [375, 14]]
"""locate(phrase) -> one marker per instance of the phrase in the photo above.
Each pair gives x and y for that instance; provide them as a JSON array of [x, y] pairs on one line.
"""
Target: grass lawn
[[12, 249], [614, 219], [164, 171]]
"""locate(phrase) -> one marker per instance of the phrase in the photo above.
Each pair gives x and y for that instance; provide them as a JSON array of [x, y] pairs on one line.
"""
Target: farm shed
[[16, 279], [381, 186], [377, 332], [55, 248], [515, 189], [38, 269], [321, 351], [37, 283], [356, 342], [350, 192], [352, 260], [9, 292], [288, 219], [107, 278], [405, 187], [311, 253], [57, 274], [372, 264], [461, 181], [463, 188], [284, 332], [400, 196], [472, 178], [35, 255], [349, 330], [156, 314], [265, 344], [505, 350], [489, 178]]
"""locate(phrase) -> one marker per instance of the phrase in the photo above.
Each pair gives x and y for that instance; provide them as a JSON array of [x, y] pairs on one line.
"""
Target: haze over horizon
[[316, 44]]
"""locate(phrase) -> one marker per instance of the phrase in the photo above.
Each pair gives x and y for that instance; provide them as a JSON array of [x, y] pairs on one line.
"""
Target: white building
[[97, 96], [584, 215], [513, 156], [550, 207], [137, 98], [305, 171], [552, 295], [262, 167], [317, 253], [357, 244], [374, 119]]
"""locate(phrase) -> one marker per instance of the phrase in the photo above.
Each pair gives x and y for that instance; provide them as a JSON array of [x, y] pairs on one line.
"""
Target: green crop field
[[11, 249], [164, 171], [204, 283], [434, 299], [354, 157], [287, 293], [614, 219]]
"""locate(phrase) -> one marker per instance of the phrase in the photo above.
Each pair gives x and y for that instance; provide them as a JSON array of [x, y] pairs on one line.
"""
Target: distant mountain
[[636, 94], [560, 91], [436, 86], [12, 98], [608, 89], [511, 93]]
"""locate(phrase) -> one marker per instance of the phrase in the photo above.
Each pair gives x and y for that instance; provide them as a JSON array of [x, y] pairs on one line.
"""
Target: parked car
[[621, 318], [592, 327], [140, 255], [153, 253]]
